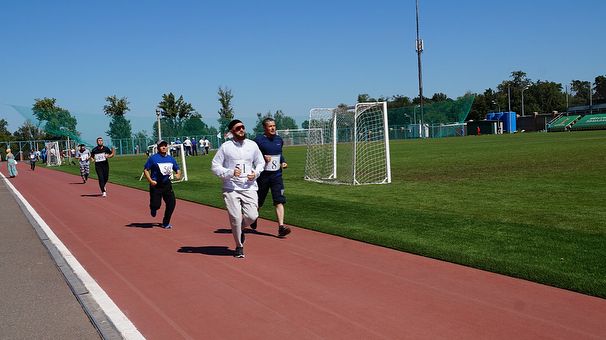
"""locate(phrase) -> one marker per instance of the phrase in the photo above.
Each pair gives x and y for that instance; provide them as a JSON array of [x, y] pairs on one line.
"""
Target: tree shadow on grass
[[207, 250], [246, 231], [143, 225]]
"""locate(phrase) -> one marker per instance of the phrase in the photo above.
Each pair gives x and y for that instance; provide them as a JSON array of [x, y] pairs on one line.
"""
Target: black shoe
[[242, 237], [283, 231], [153, 212], [239, 252], [253, 225]]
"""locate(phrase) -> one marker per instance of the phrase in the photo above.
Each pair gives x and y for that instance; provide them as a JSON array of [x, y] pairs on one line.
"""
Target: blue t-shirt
[[271, 146], [161, 167]]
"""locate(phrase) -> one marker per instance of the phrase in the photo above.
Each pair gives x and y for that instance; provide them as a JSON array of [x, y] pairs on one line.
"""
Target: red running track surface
[[184, 282]]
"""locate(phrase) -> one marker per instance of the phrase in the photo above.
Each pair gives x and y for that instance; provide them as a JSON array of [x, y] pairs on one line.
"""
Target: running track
[[184, 283]]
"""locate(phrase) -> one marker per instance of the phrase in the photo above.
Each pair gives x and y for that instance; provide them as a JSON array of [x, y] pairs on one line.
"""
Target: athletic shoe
[[104, 194], [239, 252], [253, 225], [242, 237], [283, 231], [152, 212], [167, 226]]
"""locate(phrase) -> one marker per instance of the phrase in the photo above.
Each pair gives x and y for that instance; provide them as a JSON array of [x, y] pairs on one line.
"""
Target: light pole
[[590, 100], [494, 102], [508, 97], [419, 47], [159, 126], [414, 113], [523, 89]]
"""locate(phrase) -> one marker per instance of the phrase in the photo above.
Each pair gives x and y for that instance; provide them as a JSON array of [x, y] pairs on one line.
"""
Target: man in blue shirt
[[158, 170], [270, 145]]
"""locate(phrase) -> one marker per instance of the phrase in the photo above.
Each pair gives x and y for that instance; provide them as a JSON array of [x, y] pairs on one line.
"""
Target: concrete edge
[[96, 314]]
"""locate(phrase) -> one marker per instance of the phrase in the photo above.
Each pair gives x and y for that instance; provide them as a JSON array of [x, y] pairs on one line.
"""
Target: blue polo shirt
[[161, 167], [271, 146]]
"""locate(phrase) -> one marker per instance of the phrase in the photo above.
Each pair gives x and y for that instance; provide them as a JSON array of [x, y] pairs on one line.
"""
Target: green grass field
[[525, 205]]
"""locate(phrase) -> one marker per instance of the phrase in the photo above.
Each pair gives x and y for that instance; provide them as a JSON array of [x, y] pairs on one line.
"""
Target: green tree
[[194, 126], [580, 90], [4, 133], [283, 122], [119, 126], [29, 131], [600, 89], [511, 91], [544, 96], [439, 97], [398, 101], [365, 98], [484, 103], [174, 112], [226, 112], [58, 121]]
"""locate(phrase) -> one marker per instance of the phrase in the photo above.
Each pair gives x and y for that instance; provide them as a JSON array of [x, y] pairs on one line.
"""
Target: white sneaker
[[104, 194]]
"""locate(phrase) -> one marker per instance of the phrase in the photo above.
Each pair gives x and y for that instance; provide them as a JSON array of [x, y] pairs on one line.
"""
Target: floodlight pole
[[509, 98], [419, 47], [590, 99], [524, 89], [159, 126]]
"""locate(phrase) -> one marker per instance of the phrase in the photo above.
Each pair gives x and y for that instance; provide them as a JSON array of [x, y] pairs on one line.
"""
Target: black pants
[[32, 164], [163, 191], [102, 169]]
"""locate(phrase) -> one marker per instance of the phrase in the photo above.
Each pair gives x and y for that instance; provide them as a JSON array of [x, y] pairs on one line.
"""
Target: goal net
[[348, 145], [53, 154], [178, 152]]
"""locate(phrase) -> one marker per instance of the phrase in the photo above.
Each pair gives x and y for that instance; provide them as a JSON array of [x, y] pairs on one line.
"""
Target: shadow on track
[[91, 195], [143, 225], [207, 250], [246, 231]]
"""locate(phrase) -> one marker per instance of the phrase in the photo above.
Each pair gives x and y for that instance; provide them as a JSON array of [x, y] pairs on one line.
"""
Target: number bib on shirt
[[166, 169], [245, 167], [100, 157], [84, 157], [273, 164]]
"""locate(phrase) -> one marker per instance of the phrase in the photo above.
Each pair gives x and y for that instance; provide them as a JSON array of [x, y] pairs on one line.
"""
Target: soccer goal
[[178, 152], [349, 145], [53, 154], [293, 137]]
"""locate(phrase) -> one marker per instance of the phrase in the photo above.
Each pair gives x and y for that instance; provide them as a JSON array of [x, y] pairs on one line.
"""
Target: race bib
[[84, 157], [245, 167], [166, 169], [273, 164], [100, 157]]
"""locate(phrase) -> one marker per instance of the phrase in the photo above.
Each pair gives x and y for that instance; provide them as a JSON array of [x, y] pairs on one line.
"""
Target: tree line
[[179, 118]]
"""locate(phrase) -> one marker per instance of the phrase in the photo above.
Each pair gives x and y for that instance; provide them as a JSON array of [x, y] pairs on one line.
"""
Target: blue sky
[[288, 55]]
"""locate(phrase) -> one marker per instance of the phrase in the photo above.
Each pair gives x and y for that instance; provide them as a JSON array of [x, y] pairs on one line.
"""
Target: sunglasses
[[240, 127]]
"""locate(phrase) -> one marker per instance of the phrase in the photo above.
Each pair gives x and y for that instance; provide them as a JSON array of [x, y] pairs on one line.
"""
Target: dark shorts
[[273, 182]]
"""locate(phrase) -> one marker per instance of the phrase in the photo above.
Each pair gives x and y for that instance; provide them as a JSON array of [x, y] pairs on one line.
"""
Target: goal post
[[53, 154], [352, 146]]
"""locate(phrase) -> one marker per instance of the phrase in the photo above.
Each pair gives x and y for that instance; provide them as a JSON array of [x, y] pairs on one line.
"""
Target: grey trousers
[[242, 207]]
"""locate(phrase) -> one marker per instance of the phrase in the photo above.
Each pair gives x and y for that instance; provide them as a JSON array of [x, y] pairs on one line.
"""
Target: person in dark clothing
[[100, 155], [158, 170], [270, 145]]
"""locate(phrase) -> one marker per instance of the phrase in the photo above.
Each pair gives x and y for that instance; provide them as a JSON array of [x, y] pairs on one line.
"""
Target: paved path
[[35, 300], [184, 283]]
